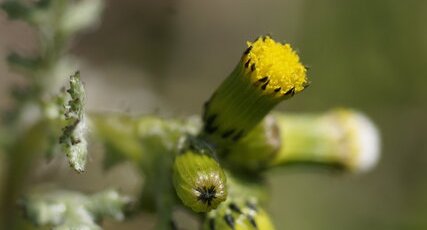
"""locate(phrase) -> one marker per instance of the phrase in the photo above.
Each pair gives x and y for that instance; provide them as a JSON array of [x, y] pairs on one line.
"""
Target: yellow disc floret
[[275, 67]]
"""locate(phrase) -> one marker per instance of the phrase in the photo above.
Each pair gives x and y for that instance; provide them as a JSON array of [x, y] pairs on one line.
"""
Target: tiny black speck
[[234, 208], [228, 133], [252, 221], [247, 63], [211, 129], [248, 50], [290, 92], [238, 136], [264, 79], [211, 119], [229, 220], [264, 86], [211, 224], [253, 66]]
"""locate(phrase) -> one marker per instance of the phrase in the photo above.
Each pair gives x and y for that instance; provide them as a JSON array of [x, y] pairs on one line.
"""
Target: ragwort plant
[[213, 165]]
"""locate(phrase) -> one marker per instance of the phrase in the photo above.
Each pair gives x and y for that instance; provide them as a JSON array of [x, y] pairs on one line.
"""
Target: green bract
[[255, 151]]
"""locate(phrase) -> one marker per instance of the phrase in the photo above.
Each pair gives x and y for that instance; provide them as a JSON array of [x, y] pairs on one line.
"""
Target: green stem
[[20, 160], [150, 143], [306, 138]]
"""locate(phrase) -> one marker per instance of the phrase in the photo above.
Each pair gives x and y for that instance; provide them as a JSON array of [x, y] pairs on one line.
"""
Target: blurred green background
[[167, 57]]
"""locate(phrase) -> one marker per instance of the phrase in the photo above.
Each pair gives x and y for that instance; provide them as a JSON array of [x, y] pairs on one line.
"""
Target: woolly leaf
[[73, 138], [72, 210]]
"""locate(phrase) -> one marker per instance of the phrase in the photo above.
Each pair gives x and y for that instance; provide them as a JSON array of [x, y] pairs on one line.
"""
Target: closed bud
[[238, 214], [199, 180], [342, 137]]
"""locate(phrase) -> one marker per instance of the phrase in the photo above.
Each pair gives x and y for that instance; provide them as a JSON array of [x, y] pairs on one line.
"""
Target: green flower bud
[[267, 73], [255, 151], [199, 180], [238, 214], [343, 138]]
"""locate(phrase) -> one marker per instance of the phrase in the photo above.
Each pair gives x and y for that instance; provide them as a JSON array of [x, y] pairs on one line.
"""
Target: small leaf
[[73, 138]]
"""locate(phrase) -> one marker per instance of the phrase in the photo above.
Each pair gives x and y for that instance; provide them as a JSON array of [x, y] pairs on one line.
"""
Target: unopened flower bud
[[238, 214], [199, 180], [342, 137]]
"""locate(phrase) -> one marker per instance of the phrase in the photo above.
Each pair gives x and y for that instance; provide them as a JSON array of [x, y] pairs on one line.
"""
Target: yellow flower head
[[275, 67], [268, 73]]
